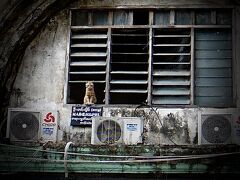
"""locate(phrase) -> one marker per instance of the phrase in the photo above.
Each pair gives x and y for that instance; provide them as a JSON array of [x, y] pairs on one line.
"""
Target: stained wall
[[41, 85]]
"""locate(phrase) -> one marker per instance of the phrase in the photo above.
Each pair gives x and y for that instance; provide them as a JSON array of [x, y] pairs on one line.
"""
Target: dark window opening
[[80, 18], [203, 17], [129, 66], [224, 17], [140, 17], [77, 93]]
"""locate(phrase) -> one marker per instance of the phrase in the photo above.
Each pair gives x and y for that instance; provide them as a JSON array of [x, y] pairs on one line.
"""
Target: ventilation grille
[[24, 126], [109, 132], [216, 129]]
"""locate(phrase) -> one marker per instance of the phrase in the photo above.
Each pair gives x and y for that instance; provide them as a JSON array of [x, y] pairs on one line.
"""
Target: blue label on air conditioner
[[238, 132], [132, 127]]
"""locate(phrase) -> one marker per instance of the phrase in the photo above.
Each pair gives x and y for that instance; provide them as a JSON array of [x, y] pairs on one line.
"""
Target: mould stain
[[157, 127], [175, 127]]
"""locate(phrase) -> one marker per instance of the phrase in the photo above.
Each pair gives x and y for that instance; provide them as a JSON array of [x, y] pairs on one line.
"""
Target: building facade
[[165, 73]]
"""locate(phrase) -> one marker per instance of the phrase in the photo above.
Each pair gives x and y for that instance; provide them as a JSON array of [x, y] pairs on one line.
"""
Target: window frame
[[151, 26]]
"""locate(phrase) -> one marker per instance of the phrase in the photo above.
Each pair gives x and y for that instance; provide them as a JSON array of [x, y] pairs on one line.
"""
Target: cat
[[90, 97]]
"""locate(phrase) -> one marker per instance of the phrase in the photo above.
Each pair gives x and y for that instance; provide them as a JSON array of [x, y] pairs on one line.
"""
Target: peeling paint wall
[[42, 77]]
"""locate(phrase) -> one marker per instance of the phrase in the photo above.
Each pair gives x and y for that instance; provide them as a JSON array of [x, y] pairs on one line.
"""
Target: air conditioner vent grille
[[24, 125], [216, 128], [109, 132]]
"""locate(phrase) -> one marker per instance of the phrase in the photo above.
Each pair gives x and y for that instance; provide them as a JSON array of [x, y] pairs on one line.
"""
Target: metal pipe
[[65, 158]]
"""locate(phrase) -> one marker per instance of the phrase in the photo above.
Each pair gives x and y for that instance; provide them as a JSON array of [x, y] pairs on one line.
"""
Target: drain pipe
[[65, 158]]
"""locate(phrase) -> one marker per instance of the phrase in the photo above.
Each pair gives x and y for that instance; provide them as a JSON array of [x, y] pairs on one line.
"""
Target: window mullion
[[213, 17], [192, 68], [149, 99], [110, 18], [90, 18], [130, 20], [107, 88], [172, 17]]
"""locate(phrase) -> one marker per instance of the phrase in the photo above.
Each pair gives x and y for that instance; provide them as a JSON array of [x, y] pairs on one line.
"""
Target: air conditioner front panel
[[31, 125], [117, 130], [216, 129], [24, 126], [236, 126], [216, 125], [133, 129], [107, 130]]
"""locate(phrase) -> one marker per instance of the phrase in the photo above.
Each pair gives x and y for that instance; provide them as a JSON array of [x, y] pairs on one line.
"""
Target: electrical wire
[[90, 155], [206, 156], [113, 156]]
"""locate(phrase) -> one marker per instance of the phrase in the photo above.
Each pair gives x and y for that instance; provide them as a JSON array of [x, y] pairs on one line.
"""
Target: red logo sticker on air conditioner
[[238, 120], [49, 118]]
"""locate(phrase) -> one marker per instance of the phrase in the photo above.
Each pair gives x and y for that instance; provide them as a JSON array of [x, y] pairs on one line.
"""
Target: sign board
[[49, 126], [82, 115], [132, 127]]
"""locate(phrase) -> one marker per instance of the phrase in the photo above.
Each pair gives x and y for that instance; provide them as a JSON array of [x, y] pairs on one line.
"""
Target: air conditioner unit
[[117, 130], [218, 126], [27, 125]]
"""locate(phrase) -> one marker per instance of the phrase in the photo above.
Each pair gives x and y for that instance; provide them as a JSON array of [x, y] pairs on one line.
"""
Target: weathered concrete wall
[[42, 76], [20, 22], [163, 3], [40, 85], [163, 125]]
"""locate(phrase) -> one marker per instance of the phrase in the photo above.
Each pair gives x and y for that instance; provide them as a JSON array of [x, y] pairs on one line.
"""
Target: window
[[162, 57], [171, 66], [88, 62], [129, 66], [213, 73]]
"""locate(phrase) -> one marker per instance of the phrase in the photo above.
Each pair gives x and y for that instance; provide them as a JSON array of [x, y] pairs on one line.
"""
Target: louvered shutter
[[171, 66], [213, 67], [129, 66], [88, 55]]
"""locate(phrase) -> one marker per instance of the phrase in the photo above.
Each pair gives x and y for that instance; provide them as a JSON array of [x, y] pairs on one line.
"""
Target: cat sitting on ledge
[[90, 97]]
